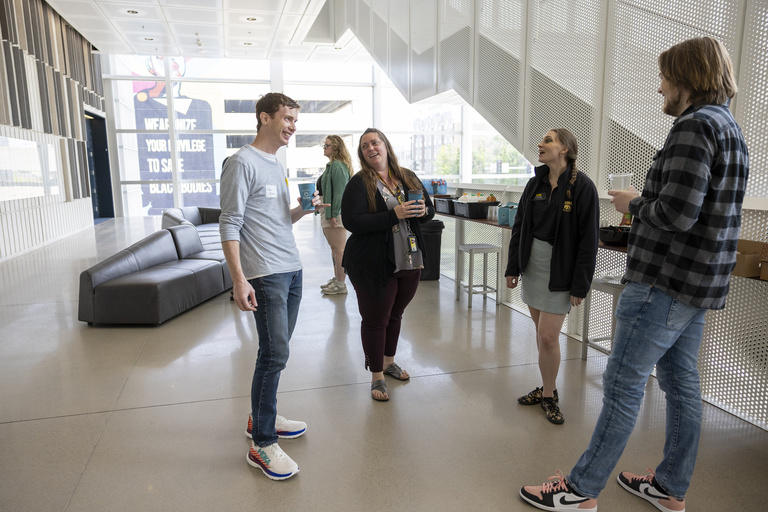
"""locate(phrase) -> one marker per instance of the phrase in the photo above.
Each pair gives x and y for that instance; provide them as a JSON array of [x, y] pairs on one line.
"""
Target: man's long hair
[[701, 66]]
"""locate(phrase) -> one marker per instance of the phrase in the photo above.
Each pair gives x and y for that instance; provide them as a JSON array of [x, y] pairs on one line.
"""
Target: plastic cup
[[620, 181], [415, 195], [306, 191]]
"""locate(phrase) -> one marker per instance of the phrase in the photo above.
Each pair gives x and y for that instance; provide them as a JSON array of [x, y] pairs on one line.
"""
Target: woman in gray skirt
[[553, 247]]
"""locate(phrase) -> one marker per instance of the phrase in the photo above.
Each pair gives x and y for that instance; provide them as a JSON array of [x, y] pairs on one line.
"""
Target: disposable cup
[[415, 195], [306, 191], [620, 181]]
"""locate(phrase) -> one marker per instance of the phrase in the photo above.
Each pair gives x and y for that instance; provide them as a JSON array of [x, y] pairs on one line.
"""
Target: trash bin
[[432, 231]]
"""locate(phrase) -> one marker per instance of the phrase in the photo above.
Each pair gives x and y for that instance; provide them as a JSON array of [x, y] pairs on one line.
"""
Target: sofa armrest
[[172, 217]]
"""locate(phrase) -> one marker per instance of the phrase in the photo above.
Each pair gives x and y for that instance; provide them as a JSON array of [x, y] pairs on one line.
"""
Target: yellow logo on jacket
[[567, 206]]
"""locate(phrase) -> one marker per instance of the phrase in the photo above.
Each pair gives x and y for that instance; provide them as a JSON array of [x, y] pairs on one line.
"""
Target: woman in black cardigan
[[554, 247], [385, 253]]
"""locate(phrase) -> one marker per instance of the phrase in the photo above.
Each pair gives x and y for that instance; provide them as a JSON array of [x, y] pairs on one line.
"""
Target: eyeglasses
[[327, 146]]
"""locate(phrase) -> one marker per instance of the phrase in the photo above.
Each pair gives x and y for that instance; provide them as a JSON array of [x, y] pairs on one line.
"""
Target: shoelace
[[551, 487], [645, 478]]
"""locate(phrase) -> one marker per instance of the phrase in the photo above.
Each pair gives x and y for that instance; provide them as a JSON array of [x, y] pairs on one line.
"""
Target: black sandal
[[552, 411], [535, 397]]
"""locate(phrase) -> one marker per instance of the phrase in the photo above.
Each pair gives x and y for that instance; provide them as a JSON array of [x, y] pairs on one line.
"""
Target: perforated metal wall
[[456, 35], [363, 32], [423, 49], [638, 31], [399, 69], [500, 38], [380, 38], [564, 78], [733, 360], [752, 100]]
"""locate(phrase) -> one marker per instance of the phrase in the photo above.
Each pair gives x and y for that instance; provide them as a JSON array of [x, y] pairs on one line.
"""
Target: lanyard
[[396, 193]]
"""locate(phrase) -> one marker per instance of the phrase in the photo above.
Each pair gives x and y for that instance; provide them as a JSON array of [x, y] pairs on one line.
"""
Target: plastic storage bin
[[477, 210], [443, 205]]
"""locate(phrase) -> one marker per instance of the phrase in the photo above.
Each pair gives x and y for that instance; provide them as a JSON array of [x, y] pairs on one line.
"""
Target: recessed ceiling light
[[247, 44], [131, 11], [149, 38], [252, 18]]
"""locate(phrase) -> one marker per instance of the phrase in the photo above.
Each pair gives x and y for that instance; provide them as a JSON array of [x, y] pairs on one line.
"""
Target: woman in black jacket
[[385, 253], [554, 248]]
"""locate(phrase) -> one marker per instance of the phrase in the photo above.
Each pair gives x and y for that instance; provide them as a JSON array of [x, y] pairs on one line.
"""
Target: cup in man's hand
[[307, 192]]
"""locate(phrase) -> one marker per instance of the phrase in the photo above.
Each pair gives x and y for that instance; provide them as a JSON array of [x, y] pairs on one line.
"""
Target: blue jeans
[[652, 328], [278, 297]]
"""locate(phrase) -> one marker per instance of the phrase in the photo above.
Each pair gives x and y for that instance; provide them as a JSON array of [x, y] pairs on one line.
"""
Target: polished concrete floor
[[152, 418]]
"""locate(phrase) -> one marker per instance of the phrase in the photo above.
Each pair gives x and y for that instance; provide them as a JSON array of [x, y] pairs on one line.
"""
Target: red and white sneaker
[[273, 461], [557, 495], [646, 487], [286, 429]]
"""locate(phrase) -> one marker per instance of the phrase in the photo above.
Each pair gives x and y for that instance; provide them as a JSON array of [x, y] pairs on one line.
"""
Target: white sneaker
[[273, 461], [286, 429], [289, 429], [329, 283], [335, 288]]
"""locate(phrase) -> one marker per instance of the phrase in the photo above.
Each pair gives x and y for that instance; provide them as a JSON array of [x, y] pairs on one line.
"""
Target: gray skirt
[[535, 282]]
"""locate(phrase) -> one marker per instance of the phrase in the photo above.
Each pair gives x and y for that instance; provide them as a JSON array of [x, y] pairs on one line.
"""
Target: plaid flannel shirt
[[686, 222]]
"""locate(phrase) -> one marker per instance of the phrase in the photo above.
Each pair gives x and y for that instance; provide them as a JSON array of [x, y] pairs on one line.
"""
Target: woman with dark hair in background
[[332, 182], [385, 253], [554, 247]]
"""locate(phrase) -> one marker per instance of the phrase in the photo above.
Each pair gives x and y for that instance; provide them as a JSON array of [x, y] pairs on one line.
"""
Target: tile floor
[[152, 418]]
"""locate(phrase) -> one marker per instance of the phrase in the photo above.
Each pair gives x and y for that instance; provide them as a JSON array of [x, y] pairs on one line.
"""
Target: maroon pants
[[380, 328]]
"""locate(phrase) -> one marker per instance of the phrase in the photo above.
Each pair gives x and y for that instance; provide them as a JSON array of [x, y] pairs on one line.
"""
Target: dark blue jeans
[[278, 297]]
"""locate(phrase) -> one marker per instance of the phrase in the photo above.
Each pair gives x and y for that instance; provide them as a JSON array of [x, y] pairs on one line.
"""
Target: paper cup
[[306, 191], [415, 195]]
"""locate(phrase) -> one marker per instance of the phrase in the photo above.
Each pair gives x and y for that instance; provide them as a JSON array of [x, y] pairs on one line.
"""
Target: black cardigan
[[369, 256], [576, 235]]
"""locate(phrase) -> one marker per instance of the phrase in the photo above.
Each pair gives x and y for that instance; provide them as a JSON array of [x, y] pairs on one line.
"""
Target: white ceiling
[[254, 29]]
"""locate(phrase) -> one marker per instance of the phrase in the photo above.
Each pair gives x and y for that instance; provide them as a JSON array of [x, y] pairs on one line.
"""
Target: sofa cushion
[[192, 214], [187, 240], [149, 296]]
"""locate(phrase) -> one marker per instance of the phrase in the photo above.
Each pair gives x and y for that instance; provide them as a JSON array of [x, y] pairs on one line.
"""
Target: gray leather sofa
[[205, 220], [157, 278]]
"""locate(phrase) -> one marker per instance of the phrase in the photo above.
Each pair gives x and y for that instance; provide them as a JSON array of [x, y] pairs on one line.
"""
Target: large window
[[176, 120]]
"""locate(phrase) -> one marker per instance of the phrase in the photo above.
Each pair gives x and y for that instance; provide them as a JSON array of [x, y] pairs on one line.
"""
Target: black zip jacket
[[576, 234], [369, 256]]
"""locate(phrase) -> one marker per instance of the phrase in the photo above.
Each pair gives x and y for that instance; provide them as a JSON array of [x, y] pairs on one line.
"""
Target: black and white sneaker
[[557, 495], [646, 487]]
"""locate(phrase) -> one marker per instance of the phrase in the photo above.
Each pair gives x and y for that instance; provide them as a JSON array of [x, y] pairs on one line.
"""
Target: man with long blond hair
[[682, 249]]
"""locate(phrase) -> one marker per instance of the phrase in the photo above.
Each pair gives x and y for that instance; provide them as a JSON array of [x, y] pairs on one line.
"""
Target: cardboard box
[[764, 263], [748, 259]]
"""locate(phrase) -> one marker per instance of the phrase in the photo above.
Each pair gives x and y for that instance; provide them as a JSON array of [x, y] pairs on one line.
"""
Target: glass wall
[[175, 120]]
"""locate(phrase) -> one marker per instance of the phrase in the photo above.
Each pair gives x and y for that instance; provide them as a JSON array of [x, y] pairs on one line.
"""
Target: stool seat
[[482, 248], [472, 289]]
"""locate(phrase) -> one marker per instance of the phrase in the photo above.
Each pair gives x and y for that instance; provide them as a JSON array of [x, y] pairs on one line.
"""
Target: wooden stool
[[484, 289]]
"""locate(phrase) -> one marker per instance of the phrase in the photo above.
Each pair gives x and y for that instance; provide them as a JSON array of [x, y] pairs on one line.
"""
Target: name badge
[[413, 244], [271, 191], [540, 197]]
